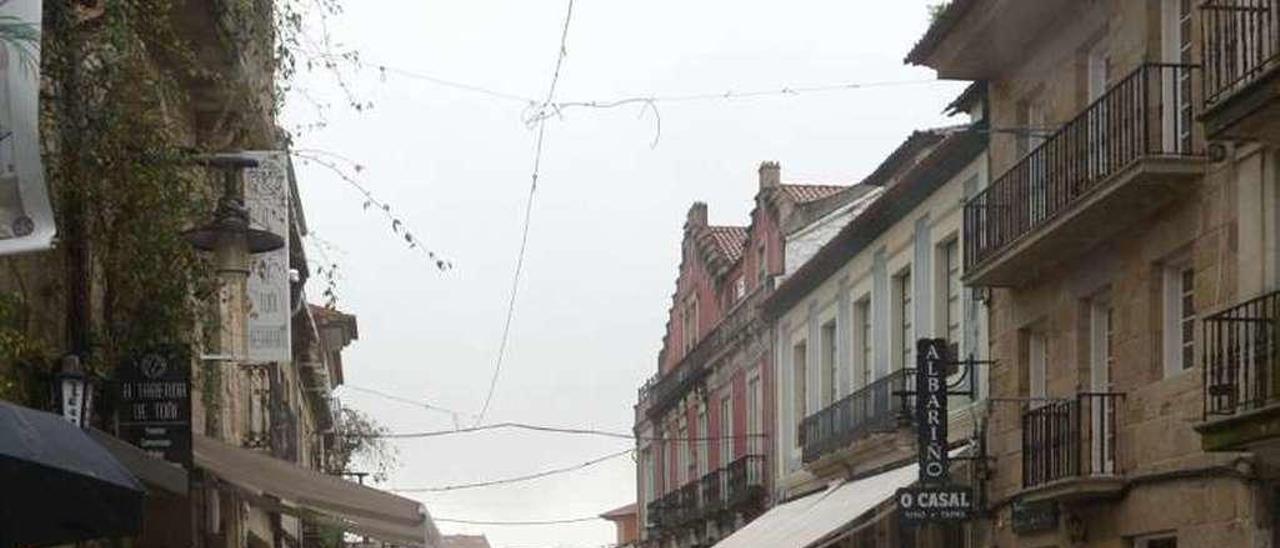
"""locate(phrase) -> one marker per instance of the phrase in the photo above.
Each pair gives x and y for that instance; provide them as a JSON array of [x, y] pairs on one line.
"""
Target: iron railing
[[712, 495], [1241, 370], [746, 481], [688, 506], [1070, 439], [1147, 113], [1241, 42], [873, 408]]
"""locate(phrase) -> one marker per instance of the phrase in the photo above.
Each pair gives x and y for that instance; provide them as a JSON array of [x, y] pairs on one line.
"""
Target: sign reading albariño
[[931, 409], [934, 499]]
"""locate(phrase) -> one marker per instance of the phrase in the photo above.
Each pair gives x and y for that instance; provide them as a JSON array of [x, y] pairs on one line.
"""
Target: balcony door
[[1175, 82], [1101, 363], [1099, 123]]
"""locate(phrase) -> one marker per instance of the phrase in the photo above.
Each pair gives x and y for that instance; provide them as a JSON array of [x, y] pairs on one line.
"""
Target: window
[[646, 475], [1037, 358], [1176, 83], [799, 354], [862, 342], [829, 374], [739, 288], [1179, 317], [726, 430], [755, 416], [683, 460], [953, 311], [906, 333], [689, 322], [704, 445], [762, 265]]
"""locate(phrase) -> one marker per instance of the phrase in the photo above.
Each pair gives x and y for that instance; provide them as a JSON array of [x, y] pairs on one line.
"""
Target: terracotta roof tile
[[809, 193], [729, 240]]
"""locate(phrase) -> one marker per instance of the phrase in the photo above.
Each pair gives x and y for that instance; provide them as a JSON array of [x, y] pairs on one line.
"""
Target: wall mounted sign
[[932, 361], [266, 196], [935, 503], [1034, 517], [26, 220], [155, 404]]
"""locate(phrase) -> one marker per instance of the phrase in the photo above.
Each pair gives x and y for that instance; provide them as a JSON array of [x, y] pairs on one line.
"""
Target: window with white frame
[[726, 430], [1179, 316], [755, 415], [799, 355], [703, 445], [683, 461], [953, 309], [646, 476], [828, 363], [906, 332], [863, 367]]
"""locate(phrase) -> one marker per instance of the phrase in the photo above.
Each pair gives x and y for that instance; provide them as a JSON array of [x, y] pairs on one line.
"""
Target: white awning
[[308, 493], [821, 517]]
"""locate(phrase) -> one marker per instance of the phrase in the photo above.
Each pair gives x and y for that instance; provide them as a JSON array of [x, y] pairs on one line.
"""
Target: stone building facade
[[1128, 219], [704, 420]]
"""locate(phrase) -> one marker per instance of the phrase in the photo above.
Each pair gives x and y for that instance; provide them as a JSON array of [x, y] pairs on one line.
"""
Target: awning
[[150, 470], [817, 519], [308, 493]]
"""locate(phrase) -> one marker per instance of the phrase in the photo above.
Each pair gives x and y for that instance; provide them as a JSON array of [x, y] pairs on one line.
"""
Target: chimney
[[770, 174], [697, 215]]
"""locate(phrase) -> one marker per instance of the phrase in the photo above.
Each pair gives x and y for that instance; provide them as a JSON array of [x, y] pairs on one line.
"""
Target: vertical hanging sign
[[26, 219], [266, 196], [934, 499], [931, 409]]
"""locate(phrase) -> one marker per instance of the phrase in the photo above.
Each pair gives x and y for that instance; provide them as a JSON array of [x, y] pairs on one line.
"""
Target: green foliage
[[17, 351], [936, 10], [112, 131], [360, 441]]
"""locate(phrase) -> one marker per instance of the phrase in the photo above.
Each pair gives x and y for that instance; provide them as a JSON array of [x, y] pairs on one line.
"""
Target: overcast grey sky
[[603, 249]]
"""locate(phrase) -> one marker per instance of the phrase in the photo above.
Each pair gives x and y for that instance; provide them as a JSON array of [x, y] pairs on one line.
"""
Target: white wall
[[916, 235]]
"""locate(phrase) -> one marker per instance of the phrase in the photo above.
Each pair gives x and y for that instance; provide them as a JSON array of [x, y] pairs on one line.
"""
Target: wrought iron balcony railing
[[1148, 113], [745, 481], [873, 408], [1241, 42], [1070, 439], [713, 490], [1241, 370]]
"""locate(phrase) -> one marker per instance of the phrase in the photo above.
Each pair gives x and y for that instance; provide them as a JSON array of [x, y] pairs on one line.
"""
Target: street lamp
[[73, 391], [230, 225]]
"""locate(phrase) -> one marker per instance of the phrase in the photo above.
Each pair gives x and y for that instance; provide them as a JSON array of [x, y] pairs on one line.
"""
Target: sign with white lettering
[[266, 196], [155, 404], [932, 360], [925, 504]]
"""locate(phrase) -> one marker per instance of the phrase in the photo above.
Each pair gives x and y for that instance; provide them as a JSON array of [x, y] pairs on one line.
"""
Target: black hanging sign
[[932, 361], [935, 503], [154, 392]]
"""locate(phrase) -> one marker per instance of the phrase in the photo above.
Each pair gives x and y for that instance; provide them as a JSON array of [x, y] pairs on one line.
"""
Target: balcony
[[1241, 85], [1126, 155], [1242, 377], [714, 486], [1069, 449], [872, 409], [745, 484]]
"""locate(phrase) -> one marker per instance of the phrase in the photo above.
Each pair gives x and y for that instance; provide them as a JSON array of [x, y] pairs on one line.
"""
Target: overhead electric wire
[[517, 479], [531, 522], [409, 401], [556, 430], [528, 216]]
